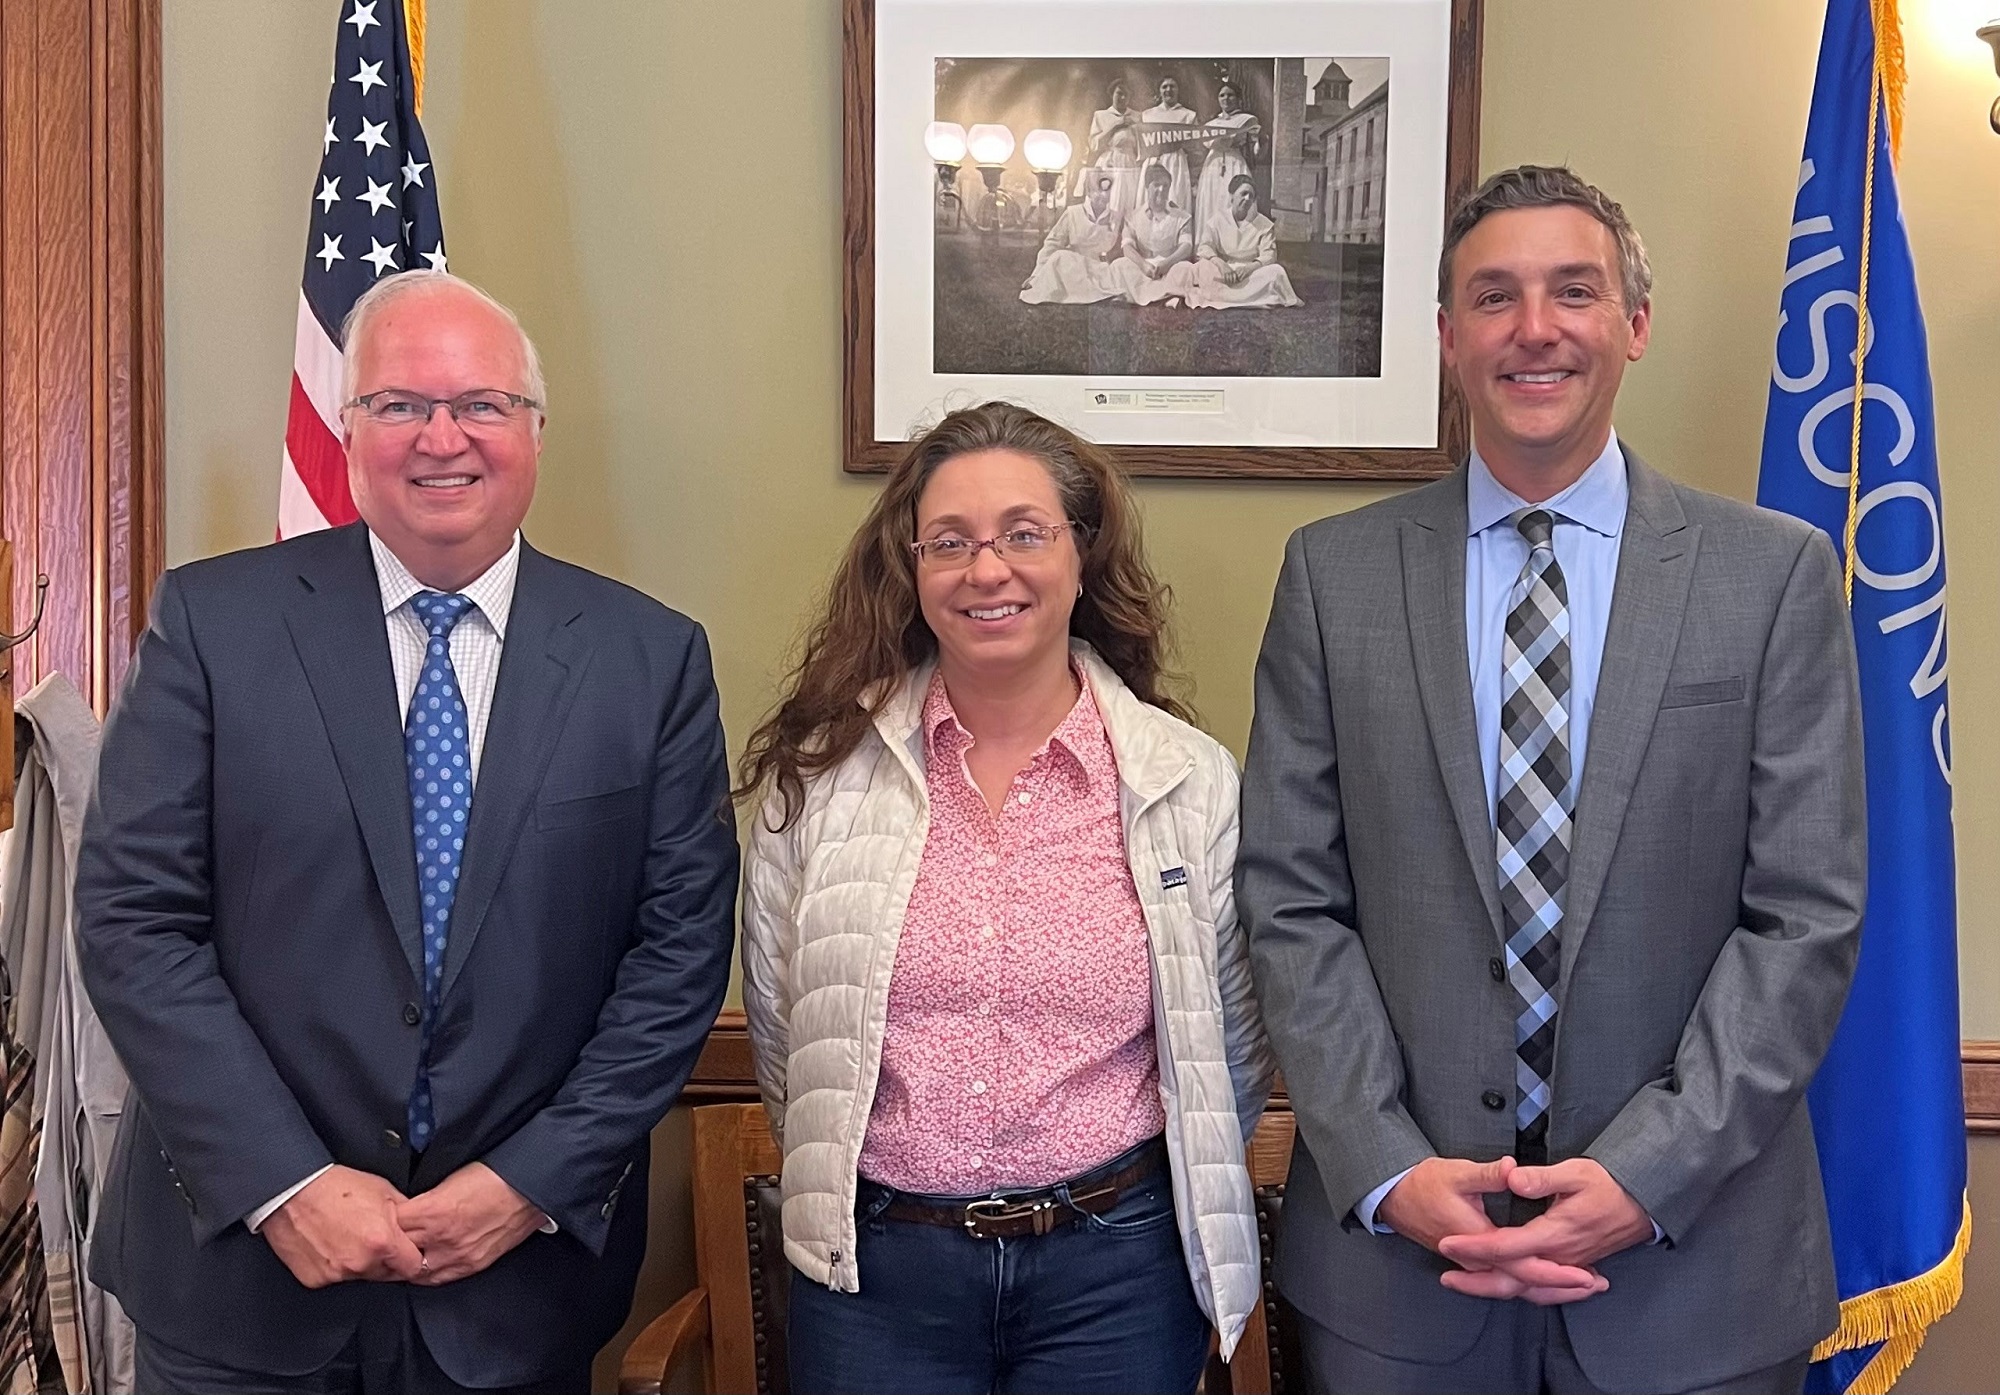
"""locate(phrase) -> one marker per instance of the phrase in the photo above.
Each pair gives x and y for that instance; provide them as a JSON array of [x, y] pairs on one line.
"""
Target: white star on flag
[[377, 198], [331, 139], [380, 257], [371, 133], [435, 257], [413, 170], [329, 250], [363, 16], [370, 75], [329, 192]]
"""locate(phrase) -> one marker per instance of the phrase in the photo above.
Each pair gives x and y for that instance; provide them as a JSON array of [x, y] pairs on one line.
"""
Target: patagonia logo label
[[1173, 877]]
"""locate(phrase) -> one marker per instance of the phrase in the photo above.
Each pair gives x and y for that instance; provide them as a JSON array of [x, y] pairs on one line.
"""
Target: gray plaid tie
[[1533, 812]]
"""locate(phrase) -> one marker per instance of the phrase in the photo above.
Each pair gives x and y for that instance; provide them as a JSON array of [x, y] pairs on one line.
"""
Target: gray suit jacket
[[1711, 926]]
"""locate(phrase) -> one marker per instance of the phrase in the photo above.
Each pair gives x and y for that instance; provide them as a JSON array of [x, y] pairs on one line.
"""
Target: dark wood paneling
[[1982, 1086], [81, 342], [725, 1073]]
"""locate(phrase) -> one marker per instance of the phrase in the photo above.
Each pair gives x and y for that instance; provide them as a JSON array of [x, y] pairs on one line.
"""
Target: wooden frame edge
[[862, 454]]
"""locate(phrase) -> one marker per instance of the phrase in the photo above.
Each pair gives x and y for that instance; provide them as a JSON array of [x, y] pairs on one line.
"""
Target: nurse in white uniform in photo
[[1158, 264], [1227, 157], [1170, 112], [1074, 265], [1114, 146], [1237, 261]]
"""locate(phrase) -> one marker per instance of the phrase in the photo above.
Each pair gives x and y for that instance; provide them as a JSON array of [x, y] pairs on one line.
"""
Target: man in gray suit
[[1553, 863]]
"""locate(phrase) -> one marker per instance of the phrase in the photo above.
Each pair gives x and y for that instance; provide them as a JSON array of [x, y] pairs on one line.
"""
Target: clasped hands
[[347, 1224], [1548, 1260]]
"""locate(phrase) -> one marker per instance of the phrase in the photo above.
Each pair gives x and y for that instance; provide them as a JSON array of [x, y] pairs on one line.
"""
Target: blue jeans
[[1099, 1304]]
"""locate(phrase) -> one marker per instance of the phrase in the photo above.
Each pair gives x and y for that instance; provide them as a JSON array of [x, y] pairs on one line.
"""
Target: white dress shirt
[[476, 641]]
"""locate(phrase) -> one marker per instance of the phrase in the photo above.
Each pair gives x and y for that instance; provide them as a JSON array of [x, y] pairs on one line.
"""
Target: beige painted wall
[[590, 154]]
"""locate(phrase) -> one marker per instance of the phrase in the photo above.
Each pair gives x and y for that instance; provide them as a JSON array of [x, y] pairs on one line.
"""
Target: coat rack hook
[[8, 641]]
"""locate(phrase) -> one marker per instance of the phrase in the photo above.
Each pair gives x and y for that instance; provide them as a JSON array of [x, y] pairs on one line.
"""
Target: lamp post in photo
[[944, 142], [1048, 155], [992, 146]]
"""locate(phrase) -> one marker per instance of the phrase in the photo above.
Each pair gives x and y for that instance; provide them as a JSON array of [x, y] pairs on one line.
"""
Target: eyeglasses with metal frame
[[1023, 544], [481, 409]]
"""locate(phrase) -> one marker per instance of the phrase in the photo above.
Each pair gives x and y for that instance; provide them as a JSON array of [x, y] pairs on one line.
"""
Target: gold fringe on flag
[[413, 28], [1899, 1316], [1890, 69]]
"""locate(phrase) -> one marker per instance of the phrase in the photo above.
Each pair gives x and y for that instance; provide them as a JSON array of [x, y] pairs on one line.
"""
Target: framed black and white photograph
[[1205, 234]]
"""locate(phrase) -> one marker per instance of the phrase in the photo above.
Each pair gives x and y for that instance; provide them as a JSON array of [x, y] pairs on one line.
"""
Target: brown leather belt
[[1010, 1215]]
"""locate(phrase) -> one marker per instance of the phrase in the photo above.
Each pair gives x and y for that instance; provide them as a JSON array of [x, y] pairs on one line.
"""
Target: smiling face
[[999, 618], [1170, 92], [1227, 100], [444, 501], [1539, 337]]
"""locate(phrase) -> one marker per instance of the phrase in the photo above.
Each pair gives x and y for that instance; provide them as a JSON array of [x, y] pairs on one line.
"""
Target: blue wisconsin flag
[[1887, 1106]]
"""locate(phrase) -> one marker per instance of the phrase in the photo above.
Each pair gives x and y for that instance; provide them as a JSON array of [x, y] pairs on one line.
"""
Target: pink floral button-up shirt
[[1019, 1049]]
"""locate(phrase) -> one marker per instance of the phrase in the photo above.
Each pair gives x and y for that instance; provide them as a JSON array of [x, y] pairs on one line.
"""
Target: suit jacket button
[[1497, 969], [412, 1015], [605, 1211], [391, 1139], [1493, 1099]]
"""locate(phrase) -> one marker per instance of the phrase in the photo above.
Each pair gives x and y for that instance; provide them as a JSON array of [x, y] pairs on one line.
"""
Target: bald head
[[440, 296]]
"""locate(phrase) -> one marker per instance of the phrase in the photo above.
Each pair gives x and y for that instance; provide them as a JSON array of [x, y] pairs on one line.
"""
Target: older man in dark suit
[[406, 897], [1553, 864]]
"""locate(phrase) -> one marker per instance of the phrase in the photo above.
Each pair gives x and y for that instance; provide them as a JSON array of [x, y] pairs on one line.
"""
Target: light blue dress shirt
[[1589, 524]]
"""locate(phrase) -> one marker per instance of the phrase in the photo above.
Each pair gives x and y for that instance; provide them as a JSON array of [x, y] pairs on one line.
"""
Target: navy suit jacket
[[247, 905]]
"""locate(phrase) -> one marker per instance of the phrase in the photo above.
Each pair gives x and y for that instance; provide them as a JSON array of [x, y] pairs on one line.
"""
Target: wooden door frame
[[82, 341]]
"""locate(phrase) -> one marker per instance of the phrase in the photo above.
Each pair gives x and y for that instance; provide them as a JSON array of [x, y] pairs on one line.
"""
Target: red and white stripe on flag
[[374, 214], [312, 489]]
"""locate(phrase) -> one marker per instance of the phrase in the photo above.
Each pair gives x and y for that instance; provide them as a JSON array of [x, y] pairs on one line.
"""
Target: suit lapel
[[1433, 544], [1648, 603], [343, 644], [542, 664]]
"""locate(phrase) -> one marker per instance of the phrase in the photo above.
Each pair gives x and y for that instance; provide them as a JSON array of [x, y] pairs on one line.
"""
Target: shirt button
[[989, 860], [1493, 1099], [979, 1087], [986, 1009], [1024, 798], [986, 933], [975, 1161]]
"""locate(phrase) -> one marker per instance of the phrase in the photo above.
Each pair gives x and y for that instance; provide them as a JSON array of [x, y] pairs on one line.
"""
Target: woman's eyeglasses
[[950, 554]]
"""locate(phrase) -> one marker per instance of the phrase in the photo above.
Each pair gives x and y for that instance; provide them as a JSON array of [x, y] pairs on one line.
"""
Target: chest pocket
[[584, 810]]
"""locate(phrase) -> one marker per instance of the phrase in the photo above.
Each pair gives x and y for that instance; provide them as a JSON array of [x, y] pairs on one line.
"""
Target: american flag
[[374, 213]]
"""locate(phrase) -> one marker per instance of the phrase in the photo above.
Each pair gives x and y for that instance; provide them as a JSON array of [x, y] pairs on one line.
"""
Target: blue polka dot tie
[[437, 745]]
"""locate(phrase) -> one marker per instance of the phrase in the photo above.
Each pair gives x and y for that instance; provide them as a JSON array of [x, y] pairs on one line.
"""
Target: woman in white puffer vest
[[999, 999]]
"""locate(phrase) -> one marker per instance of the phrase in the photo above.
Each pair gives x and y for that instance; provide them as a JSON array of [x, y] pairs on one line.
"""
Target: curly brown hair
[[870, 631]]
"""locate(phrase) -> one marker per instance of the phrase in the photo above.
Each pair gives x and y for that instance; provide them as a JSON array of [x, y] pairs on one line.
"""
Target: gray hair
[[355, 328], [1549, 186]]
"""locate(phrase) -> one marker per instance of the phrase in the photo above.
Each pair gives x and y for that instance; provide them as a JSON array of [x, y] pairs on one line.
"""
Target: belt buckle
[[995, 1208]]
